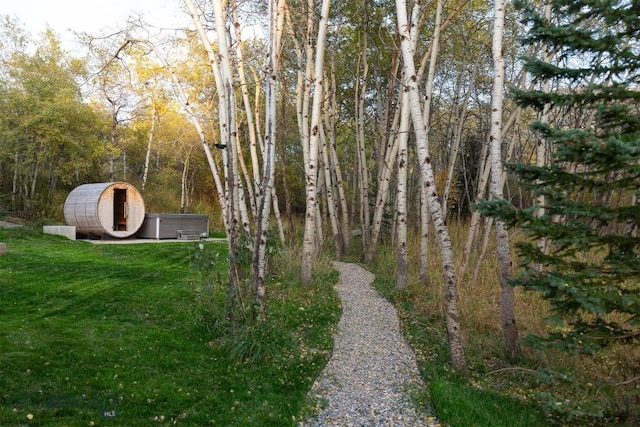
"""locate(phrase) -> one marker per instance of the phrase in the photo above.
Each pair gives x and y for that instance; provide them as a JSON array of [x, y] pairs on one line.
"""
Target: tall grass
[[550, 386]]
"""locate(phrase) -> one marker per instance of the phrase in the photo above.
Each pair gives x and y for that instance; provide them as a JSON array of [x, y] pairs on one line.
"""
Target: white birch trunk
[[14, 185], [386, 170], [452, 313], [226, 116], [424, 210], [253, 140], [457, 136], [424, 236], [360, 93], [507, 294], [154, 118], [334, 164], [220, 62], [183, 185], [403, 136], [331, 199], [341, 194], [34, 180], [267, 180], [483, 179], [310, 236]]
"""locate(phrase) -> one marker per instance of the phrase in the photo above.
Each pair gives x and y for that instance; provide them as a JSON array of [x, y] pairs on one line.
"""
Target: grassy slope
[[106, 335]]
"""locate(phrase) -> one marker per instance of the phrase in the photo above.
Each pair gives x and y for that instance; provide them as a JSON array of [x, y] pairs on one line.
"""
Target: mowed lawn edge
[[112, 335]]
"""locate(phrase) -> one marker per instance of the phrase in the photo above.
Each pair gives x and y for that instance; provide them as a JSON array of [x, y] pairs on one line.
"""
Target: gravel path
[[372, 370]]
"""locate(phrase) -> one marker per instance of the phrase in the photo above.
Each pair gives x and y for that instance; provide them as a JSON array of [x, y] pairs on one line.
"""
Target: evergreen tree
[[589, 271]]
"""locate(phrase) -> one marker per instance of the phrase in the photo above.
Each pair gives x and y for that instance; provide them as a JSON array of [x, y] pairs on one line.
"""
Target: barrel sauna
[[112, 208]]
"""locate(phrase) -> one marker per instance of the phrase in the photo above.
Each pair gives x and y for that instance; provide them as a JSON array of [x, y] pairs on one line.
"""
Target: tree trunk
[[268, 173], [452, 314], [434, 47], [154, 118], [386, 167], [507, 295], [331, 199], [457, 137], [334, 163], [34, 180], [309, 240], [424, 235], [403, 157], [14, 185], [253, 140], [363, 169], [191, 115], [483, 179], [183, 185]]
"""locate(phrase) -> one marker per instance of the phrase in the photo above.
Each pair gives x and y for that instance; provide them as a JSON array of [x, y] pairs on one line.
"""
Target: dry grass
[[480, 299], [592, 382]]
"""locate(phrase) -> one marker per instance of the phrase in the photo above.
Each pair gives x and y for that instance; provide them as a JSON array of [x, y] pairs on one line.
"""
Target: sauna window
[[120, 209]]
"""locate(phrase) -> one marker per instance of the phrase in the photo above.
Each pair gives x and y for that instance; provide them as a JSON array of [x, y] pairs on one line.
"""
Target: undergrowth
[[539, 388]]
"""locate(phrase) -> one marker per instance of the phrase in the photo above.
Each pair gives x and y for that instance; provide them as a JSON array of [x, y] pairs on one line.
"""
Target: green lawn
[[108, 335]]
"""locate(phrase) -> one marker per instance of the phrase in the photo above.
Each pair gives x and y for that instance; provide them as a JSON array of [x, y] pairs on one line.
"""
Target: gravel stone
[[372, 371]]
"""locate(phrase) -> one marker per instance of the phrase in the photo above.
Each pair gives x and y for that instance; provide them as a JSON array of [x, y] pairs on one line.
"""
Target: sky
[[91, 16]]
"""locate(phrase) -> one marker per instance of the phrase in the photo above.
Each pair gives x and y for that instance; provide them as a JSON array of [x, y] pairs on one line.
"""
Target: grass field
[[125, 335], [110, 335]]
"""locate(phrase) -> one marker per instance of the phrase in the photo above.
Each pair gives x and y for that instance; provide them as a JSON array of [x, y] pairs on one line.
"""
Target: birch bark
[[147, 157], [248, 111], [334, 164], [363, 169], [424, 210], [452, 314], [266, 183], [507, 294], [403, 136], [386, 167], [331, 198], [310, 236], [183, 185]]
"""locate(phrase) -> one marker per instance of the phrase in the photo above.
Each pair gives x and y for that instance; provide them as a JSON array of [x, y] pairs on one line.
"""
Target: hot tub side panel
[[167, 226]]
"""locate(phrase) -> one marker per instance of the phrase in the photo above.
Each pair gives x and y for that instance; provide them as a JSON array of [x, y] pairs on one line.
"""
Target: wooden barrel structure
[[112, 208]]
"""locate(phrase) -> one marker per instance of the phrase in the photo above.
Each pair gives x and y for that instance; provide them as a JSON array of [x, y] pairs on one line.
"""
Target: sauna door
[[120, 209]]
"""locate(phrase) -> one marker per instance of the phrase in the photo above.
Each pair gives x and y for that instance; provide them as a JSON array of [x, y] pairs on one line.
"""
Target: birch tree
[[387, 167], [276, 17], [407, 33], [507, 293], [309, 247], [147, 157], [342, 235], [363, 169], [403, 159], [424, 213]]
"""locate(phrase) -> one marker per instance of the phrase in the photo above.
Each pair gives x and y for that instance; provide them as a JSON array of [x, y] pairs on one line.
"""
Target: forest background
[[342, 116]]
